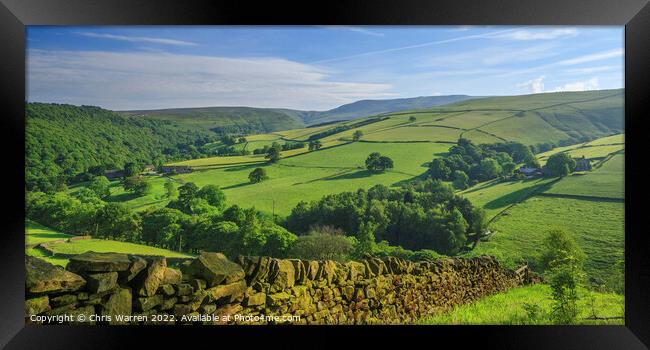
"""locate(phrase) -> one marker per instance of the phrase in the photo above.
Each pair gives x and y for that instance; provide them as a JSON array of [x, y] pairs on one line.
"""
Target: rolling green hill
[[300, 174], [307, 176], [227, 119], [261, 120], [589, 206], [365, 108], [62, 141]]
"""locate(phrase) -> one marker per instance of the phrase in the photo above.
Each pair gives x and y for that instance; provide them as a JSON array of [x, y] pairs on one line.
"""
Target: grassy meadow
[[598, 228], [495, 196], [607, 181], [510, 308], [315, 174], [590, 206], [105, 245], [36, 233]]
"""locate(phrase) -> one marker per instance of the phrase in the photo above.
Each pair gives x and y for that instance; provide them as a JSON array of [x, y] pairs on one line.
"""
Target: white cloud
[[593, 57], [539, 35], [144, 80], [591, 84], [534, 86], [416, 46], [137, 39]]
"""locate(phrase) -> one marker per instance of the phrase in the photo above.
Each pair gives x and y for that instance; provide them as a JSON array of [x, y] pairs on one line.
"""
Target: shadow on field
[[406, 182], [350, 176], [122, 197], [245, 167], [243, 184], [516, 196]]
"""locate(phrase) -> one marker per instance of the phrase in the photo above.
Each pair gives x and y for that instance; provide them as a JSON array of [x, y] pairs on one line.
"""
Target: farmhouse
[[149, 168], [530, 172], [114, 174], [178, 169], [582, 164]]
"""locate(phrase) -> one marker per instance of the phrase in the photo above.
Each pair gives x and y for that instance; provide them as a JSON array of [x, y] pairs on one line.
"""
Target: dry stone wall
[[109, 288]]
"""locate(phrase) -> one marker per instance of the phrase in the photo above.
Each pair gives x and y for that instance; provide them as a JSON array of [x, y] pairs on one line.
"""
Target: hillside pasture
[[474, 119], [313, 175], [218, 162], [597, 226], [416, 133], [527, 128], [543, 100], [155, 198], [495, 196], [607, 181], [509, 308], [592, 152], [609, 140], [36, 233], [595, 152], [104, 246]]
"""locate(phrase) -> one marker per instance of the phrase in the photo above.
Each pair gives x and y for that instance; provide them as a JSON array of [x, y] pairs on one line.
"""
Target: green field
[[496, 196], [605, 181], [509, 308], [610, 140], [105, 245], [315, 174], [36, 233], [597, 226], [594, 150], [156, 198], [416, 133], [307, 176], [588, 205]]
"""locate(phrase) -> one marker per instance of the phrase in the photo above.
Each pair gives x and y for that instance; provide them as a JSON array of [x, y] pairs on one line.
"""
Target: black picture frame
[[633, 14]]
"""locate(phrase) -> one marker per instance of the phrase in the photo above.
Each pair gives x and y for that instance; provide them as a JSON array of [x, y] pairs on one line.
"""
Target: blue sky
[[312, 68]]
